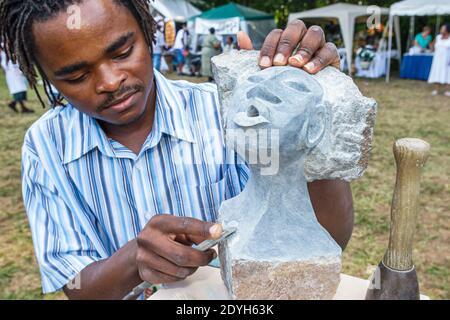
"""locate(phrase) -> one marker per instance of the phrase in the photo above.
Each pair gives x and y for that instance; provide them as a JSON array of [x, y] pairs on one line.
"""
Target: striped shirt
[[87, 195]]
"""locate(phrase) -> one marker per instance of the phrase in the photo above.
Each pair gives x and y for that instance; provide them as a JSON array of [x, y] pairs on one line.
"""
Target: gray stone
[[290, 127], [344, 151]]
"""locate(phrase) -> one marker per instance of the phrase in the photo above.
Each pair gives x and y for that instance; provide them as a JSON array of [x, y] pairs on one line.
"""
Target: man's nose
[[110, 80]]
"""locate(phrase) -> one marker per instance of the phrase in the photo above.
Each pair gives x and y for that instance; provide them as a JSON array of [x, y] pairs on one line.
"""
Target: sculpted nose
[[250, 118]]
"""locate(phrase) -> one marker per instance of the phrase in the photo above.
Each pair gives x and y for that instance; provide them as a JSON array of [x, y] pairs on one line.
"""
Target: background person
[[181, 44], [440, 69], [211, 47], [159, 45], [17, 84], [423, 39], [230, 45]]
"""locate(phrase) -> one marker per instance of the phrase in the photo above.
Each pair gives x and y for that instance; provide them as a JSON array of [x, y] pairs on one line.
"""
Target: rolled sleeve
[[63, 249]]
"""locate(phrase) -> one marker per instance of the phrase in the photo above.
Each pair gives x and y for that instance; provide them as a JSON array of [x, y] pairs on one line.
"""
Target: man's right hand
[[164, 253]]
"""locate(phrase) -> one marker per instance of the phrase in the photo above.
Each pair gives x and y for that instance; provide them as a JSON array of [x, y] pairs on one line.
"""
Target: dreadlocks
[[18, 16]]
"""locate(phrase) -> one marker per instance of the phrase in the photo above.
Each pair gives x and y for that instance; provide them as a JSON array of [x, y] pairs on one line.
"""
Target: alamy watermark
[[74, 17], [374, 20]]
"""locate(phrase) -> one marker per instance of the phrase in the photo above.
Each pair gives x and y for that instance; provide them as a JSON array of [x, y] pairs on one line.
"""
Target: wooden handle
[[410, 156]]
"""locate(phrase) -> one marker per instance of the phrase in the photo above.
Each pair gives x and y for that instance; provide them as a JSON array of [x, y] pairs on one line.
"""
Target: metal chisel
[[204, 246]]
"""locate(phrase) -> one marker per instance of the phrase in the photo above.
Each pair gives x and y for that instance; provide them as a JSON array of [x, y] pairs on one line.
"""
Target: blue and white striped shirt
[[87, 195]]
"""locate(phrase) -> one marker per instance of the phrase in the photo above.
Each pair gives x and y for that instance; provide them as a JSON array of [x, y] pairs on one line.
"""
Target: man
[[121, 181], [210, 48], [181, 44], [159, 45]]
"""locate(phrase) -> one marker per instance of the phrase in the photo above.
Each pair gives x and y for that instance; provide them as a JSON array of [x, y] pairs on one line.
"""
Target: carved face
[[283, 101]]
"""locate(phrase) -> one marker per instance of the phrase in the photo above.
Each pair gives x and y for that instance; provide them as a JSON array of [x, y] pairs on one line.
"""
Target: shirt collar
[[85, 134]]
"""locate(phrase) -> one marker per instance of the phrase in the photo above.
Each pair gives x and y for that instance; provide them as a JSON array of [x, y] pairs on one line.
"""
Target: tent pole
[[411, 31], [438, 22], [390, 25], [398, 38]]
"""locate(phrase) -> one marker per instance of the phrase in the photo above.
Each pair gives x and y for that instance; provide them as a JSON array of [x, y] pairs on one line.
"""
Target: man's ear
[[315, 126]]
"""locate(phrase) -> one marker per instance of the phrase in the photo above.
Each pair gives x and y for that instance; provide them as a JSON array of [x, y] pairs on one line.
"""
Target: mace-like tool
[[396, 278], [204, 246]]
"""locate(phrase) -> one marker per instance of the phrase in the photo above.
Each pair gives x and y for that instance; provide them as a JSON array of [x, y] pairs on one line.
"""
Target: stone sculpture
[[316, 127]]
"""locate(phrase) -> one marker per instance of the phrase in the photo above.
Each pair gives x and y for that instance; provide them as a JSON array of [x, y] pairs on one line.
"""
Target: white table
[[378, 67], [207, 284]]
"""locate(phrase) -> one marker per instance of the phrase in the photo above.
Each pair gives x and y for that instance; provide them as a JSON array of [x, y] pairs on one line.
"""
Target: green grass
[[406, 109]]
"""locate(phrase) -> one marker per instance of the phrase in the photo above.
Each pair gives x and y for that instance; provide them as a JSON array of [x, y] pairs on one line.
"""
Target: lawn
[[406, 109]]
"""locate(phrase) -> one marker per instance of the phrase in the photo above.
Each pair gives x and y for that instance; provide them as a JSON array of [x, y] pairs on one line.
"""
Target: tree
[[282, 8]]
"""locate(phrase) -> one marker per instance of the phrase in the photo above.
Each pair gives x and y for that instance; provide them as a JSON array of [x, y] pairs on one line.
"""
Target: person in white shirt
[[17, 84], [159, 45], [229, 45], [440, 69], [181, 44]]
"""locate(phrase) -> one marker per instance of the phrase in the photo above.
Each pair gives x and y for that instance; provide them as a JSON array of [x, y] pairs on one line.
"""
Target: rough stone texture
[[344, 152], [310, 280]]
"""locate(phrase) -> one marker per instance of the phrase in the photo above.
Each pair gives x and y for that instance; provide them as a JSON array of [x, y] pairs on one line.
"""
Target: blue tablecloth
[[416, 67]]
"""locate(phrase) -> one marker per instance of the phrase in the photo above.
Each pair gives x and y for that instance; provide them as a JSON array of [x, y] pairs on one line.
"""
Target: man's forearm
[[109, 279], [333, 204]]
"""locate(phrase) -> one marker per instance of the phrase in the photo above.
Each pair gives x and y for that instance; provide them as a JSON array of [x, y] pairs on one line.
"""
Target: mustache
[[113, 97]]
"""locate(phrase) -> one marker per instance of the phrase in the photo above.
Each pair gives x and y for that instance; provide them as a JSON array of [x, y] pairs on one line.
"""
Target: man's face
[[104, 68]]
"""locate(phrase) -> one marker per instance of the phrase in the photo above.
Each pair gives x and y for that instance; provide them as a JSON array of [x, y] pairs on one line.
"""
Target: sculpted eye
[[263, 94], [299, 86]]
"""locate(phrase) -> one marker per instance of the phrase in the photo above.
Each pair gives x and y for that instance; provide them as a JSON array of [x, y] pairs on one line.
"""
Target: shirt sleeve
[[238, 174], [63, 249]]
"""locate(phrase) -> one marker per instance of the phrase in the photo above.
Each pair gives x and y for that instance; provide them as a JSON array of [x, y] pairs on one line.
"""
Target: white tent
[[413, 8], [178, 10], [347, 15]]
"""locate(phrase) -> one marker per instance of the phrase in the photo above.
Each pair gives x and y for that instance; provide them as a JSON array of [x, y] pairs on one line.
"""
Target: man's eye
[[125, 54], [77, 80]]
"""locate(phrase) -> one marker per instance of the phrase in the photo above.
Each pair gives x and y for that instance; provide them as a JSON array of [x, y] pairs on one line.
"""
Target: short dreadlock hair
[[16, 37]]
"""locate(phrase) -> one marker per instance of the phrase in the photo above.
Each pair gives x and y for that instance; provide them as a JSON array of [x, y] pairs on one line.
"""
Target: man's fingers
[[182, 225], [326, 56], [156, 277], [150, 260], [313, 40], [184, 256], [289, 41], [244, 41], [269, 48], [175, 252]]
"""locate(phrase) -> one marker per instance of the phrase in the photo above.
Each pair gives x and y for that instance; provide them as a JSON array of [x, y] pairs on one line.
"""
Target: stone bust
[[274, 215], [291, 128]]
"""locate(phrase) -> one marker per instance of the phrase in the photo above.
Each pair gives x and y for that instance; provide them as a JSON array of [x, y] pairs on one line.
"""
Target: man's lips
[[122, 103]]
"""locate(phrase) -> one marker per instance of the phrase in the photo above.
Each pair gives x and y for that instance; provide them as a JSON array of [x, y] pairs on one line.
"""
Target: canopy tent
[[346, 14], [178, 10], [231, 18], [413, 8]]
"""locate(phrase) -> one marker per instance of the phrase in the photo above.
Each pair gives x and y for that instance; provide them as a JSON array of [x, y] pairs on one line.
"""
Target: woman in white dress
[[440, 69], [16, 82]]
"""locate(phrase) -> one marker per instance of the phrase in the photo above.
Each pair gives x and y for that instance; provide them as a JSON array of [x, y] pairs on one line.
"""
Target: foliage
[[282, 8]]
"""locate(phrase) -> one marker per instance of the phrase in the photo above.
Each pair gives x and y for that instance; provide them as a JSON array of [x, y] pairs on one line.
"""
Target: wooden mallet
[[396, 278]]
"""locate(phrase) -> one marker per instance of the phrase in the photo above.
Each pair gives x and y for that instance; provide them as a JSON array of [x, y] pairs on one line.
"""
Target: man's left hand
[[297, 46]]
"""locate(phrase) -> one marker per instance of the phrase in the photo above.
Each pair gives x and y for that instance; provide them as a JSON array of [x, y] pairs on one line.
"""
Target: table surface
[[416, 66], [207, 284]]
